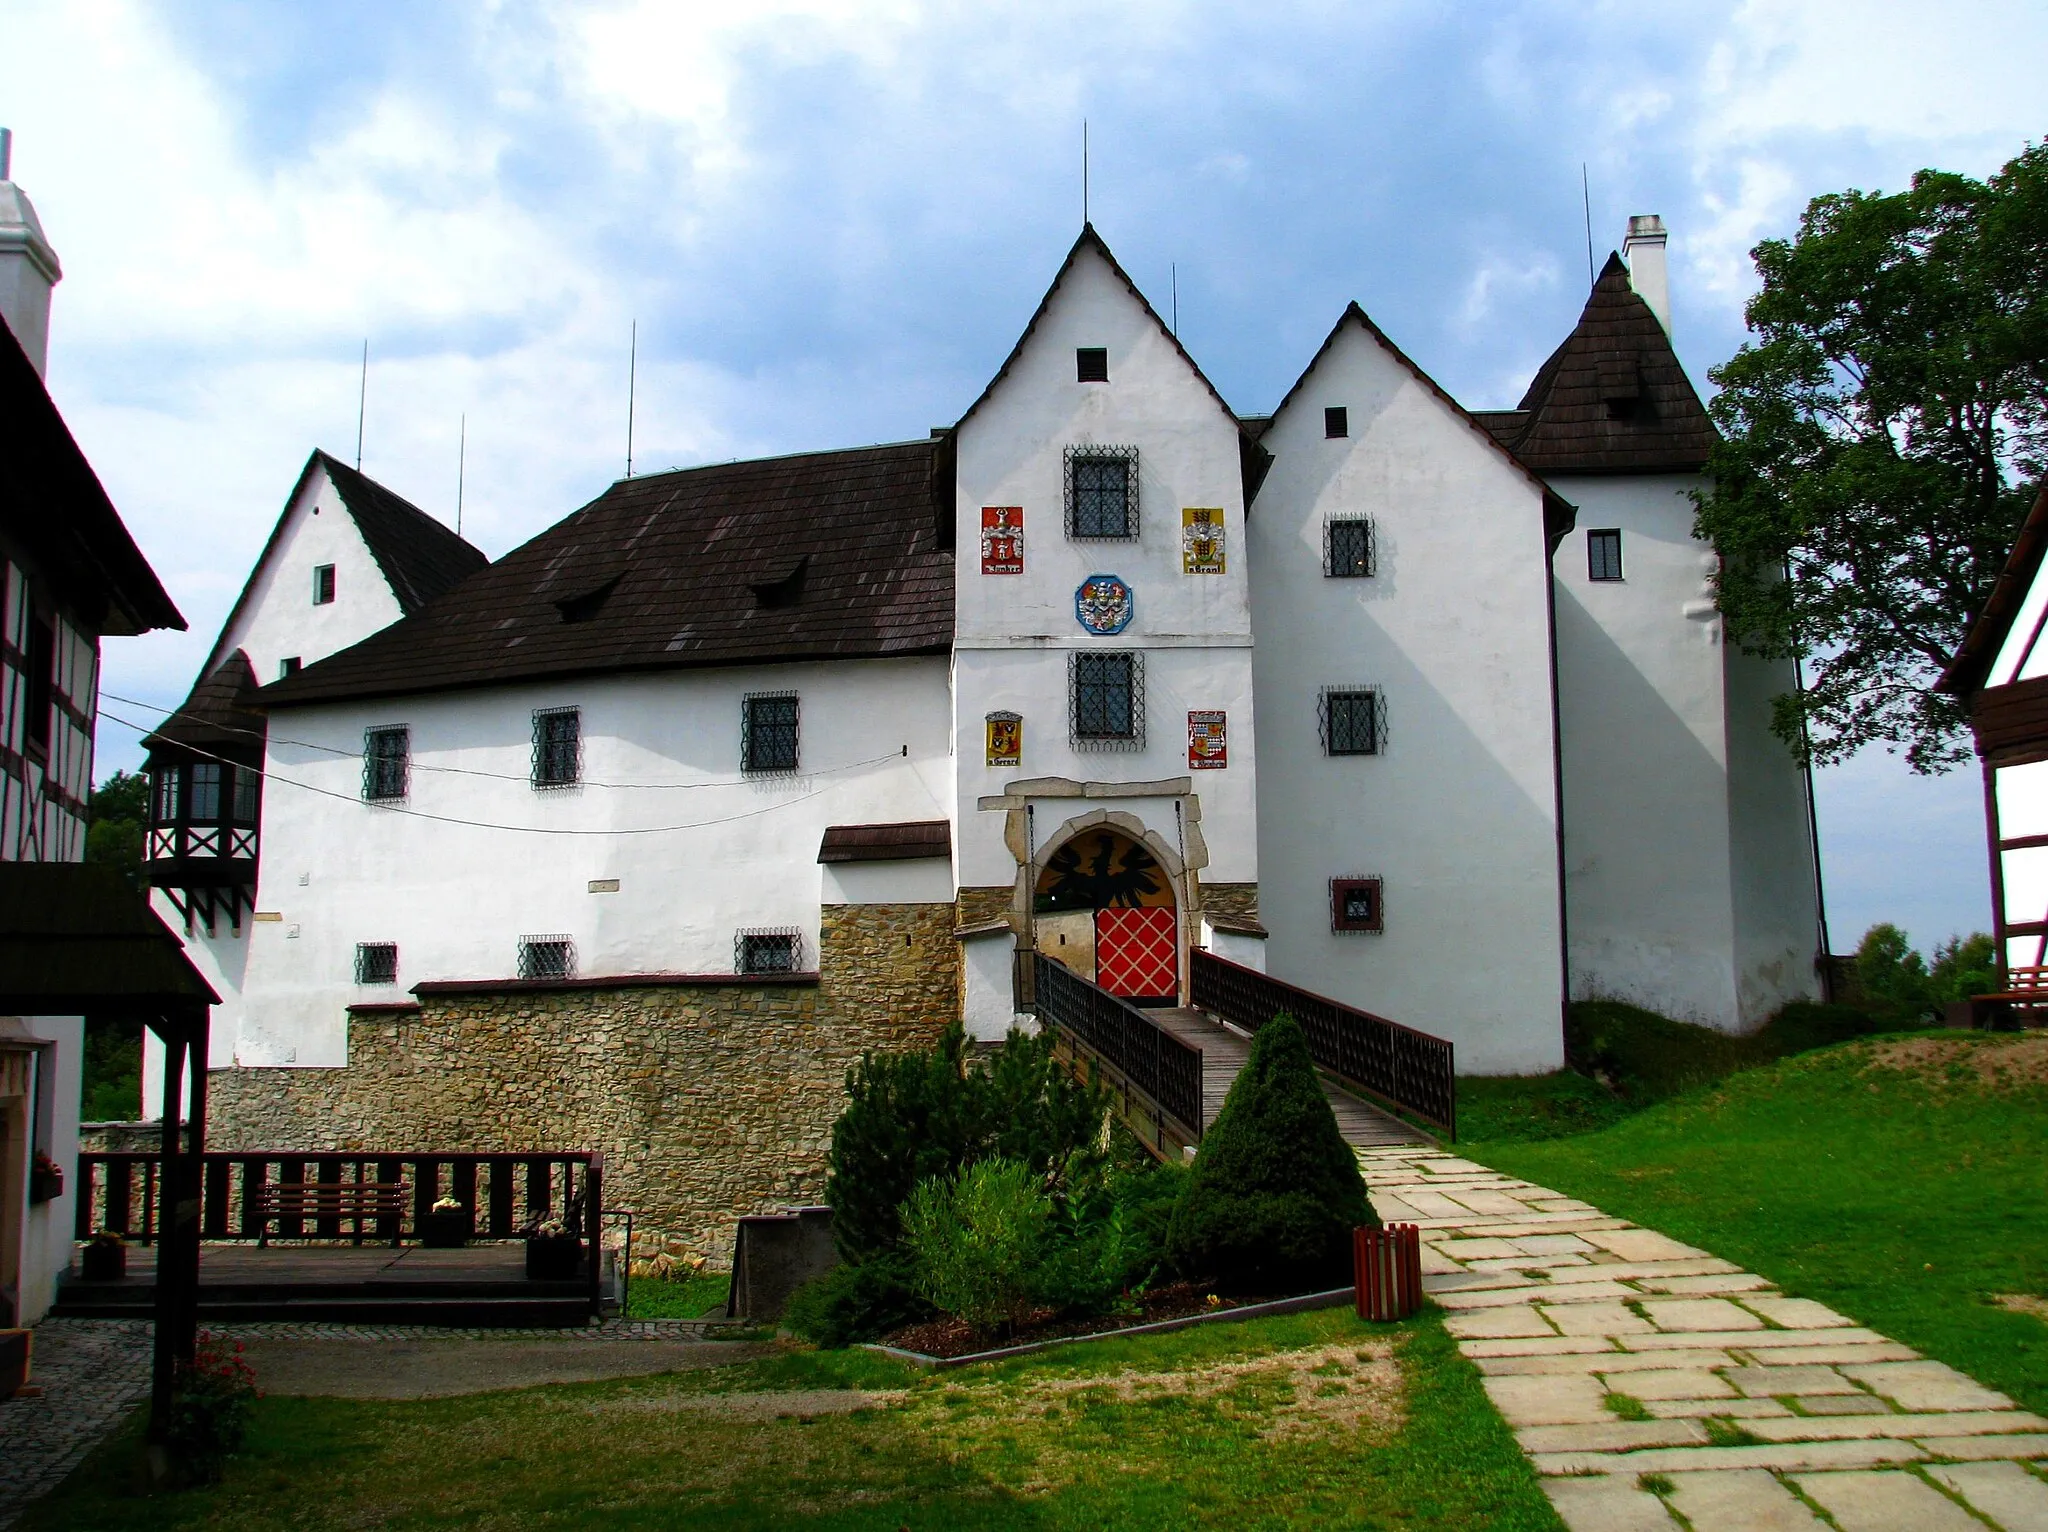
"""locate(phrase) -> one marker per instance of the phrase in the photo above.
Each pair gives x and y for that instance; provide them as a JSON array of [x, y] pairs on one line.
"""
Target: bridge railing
[[1150, 1059], [1406, 1069]]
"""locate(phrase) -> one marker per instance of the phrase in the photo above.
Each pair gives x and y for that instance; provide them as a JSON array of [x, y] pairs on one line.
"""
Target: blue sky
[[830, 221]]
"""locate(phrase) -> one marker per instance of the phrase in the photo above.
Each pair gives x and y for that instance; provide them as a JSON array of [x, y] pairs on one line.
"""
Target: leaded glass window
[[769, 732], [387, 763], [557, 747]]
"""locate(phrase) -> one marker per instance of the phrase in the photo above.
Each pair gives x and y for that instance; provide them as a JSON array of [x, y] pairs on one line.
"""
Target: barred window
[[547, 957], [248, 794], [557, 747], [1102, 492], [387, 763], [1347, 548], [1603, 554], [769, 731], [169, 794], [376, 962], [779, 950], [1353, 722], [1355, 905], [323, 584], [1091, 364], [1106, 707], [206, 792]]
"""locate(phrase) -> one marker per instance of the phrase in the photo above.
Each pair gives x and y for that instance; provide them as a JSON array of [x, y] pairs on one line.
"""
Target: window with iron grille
[[1102, 492], [557, 747], [376, 962], [769, 731], [1106, 700], [248, 794], [1353, 721], [206, 792], [1603, 554], [387, 763], [777, 949], [169, 794], [547, 957], [1355, 905], [1336, 421], [323, 584], [1091, 364], [1348, 548]]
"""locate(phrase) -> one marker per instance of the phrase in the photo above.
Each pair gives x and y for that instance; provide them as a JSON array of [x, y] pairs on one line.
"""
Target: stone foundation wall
[[709, 1100]]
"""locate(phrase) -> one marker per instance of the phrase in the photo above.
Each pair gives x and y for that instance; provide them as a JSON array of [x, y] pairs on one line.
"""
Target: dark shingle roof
[[886, 843], [420, 557], [1968, 671], [826, 555], [74, 937], [53, 507], [220, 718], [1618, 350]]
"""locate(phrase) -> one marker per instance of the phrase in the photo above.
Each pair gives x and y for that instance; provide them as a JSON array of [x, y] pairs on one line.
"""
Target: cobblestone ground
[[1655, 1387], [93, 1371]]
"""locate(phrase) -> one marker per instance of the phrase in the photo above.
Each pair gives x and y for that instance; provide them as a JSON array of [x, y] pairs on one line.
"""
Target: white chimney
[[28, 266], [1644, 252]]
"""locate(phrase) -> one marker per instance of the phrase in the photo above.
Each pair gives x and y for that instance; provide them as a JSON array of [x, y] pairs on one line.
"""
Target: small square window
[[1347, 549], [323, 584], [1355, 905], [547, 957], [387, 763], [1102, 492], [775, 951], [1353, 723], [289, 666], [770, 732], [557, 747], [206, 792], [376, 962], [1336, 420], [1603, 555], [1106, 704], [1091, 364]]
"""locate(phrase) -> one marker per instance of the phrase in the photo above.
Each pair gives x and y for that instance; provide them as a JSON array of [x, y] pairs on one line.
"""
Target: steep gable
[[1613, 397], [420, 557]]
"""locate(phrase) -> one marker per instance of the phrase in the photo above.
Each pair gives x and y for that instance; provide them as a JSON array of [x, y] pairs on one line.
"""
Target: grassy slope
[[964, 1450], [1902, 1198]]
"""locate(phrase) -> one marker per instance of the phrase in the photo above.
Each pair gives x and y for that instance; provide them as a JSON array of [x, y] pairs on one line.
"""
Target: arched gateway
[[1104, 906]]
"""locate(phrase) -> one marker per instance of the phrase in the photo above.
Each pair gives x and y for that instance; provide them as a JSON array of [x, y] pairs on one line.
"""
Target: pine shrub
[[1275, 1191]]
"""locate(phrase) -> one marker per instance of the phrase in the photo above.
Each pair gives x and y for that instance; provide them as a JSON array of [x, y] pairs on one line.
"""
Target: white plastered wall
[[1688, 854], [1016, 632], [51, 1124], [1458, 815], [456, 899]]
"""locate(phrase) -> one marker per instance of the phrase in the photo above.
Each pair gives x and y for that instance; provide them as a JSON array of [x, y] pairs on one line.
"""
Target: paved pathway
[[1649, 1381], [91, 1372], [1224, 1050]]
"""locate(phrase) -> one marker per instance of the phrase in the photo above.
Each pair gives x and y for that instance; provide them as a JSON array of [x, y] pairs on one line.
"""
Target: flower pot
[[104, 1263], [553, 1259], [446, 1231], [45, 1183]]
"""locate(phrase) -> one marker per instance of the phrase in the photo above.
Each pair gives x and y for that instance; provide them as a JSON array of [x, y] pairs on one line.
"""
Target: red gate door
[[1137, 953]]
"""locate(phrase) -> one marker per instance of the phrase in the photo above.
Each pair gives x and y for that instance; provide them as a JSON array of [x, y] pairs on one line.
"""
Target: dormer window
[[1091, 364], [1621, 388], [289, 666], [323, 584]]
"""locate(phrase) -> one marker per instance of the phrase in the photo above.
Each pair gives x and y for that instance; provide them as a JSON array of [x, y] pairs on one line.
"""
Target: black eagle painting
[[1101, 871]]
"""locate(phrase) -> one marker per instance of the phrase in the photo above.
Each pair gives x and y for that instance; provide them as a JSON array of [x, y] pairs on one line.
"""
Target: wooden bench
[[352, 1202], [2026, 990]]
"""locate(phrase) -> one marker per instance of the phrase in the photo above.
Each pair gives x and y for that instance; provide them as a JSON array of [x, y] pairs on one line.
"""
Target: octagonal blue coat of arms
[[1104, 604]]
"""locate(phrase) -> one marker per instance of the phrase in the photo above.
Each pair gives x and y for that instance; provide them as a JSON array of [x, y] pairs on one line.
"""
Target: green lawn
[[1903, 1180], [677, 1297], [1272, 1423]]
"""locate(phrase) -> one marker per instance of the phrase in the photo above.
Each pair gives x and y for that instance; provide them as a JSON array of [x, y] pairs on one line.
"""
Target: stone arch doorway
[[1104, 906]]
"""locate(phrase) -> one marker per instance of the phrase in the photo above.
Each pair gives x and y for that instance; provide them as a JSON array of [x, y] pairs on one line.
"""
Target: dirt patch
[[2002, 1063], [790, 1404], [2023, 1303], [954, 1337], [440, 1369]]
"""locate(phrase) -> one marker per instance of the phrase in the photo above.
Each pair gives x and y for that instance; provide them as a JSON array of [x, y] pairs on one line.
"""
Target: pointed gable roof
[[1559, 515], [420, 557], [1971, 667], [1618, 350], [219, 718]]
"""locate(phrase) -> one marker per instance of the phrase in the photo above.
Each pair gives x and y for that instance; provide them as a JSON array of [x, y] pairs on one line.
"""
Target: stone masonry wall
[[708, 1100]]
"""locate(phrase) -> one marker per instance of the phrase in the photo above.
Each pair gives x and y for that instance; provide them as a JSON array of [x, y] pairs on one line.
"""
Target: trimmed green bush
[[1275, 1191], [976, 1242], [853, 1303]]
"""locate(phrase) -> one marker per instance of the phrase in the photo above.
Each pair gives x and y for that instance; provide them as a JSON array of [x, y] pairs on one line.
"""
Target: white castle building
[[1421, 708]]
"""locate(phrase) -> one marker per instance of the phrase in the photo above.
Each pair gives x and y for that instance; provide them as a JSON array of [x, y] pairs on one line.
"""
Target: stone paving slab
[[91, 1373], [1766, 1411]]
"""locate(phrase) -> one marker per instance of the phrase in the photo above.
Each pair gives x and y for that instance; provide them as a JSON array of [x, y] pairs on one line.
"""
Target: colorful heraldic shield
[[1005, 739], [1208, 742], [1002, 539], [1104, 604], [1201, 539]]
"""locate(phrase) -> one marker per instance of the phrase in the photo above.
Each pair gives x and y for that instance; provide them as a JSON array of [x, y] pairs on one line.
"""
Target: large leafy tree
[[1880, 438]]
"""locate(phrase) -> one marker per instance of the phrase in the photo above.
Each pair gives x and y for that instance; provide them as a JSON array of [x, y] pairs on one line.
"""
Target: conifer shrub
[[1275, 1191]]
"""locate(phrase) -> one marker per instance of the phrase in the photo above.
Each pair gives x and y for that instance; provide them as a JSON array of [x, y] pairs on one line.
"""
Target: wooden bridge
[[1170, 1070]]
